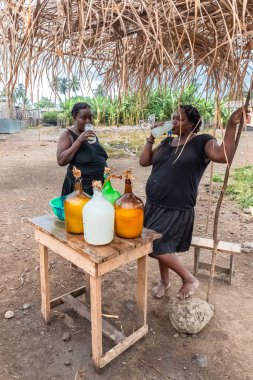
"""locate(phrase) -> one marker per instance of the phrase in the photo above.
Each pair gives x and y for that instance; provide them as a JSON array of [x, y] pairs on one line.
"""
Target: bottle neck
[[128, 186], [97, 193], [78, 185], [107, 185]]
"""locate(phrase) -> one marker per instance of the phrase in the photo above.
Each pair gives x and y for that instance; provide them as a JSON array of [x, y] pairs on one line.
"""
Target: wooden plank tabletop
[[52, 226]]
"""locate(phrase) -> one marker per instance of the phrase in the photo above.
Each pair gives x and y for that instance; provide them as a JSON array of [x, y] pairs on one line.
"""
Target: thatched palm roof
[[132, 43]]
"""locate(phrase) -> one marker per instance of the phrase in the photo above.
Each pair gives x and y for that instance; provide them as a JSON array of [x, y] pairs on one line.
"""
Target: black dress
[[91, 160], [171, 191]]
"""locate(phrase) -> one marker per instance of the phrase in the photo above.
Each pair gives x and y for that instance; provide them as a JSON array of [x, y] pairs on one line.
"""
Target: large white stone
[[190, 315], [9, 314]]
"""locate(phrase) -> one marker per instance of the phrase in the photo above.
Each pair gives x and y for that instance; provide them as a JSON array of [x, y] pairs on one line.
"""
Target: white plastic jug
[[161, 129], [98, 220]]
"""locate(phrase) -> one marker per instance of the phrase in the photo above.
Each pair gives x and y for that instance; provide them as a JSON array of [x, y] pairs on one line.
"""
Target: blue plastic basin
[[57, 205]]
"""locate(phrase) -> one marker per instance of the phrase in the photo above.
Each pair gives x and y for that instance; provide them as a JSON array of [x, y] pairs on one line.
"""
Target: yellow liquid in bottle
[[128, 222], [73, 208]]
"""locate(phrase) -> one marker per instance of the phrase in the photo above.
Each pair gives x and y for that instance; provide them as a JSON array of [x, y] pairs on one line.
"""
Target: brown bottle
[[129, 212], [73, 206]]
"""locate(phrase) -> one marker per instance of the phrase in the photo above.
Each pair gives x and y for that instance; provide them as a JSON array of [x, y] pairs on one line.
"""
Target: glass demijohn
[[129, 212], [73, 206]]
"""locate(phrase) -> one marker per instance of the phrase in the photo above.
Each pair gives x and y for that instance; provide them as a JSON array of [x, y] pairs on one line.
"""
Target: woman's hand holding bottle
[[86, 136]]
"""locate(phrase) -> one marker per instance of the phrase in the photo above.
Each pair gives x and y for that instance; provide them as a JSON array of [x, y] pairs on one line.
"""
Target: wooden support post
[[74, 293], [44, 280], [196, 260], [108, 330], [123, 346], [231, 268], [87, 288], [141, 291], [96, 320]]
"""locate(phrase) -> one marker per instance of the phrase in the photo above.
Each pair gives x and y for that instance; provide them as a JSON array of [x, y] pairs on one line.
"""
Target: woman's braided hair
[[193, 116], [77, 107]]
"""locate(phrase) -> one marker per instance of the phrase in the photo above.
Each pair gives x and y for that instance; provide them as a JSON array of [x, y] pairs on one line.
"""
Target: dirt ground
[[30, 350]]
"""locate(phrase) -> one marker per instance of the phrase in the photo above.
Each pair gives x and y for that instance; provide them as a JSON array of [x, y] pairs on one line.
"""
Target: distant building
[[36, 115], [5, 110], [8, 118]]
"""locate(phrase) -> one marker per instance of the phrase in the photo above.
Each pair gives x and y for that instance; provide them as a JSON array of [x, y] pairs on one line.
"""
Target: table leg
[[87, 288], [196, 260], [96, 319], [44, 280], [142, 290]]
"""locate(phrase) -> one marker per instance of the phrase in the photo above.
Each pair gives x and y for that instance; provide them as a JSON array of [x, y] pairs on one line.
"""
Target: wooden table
[[95, 261]]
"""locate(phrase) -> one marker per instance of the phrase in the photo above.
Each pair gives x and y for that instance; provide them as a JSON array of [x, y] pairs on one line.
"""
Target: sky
[[43, 87]]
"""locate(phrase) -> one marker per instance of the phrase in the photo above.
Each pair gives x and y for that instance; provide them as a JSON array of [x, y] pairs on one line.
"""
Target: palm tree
[[100, 91], [55, 85], [63, 87], [74, 84], [26, 103], [20, 93]]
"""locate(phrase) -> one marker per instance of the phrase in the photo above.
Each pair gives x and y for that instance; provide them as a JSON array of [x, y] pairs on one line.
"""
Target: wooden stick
[[156, 369], [210, 196], [219, 203], [110, 316]]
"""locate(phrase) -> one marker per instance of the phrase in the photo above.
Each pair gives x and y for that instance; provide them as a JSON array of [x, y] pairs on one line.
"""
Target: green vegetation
[[129, 109], [241, 187], [50, 117], [44, 103], [217, 178], [132, 108]]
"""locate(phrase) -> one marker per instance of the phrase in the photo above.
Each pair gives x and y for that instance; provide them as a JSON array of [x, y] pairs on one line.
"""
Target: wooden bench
[[223, 247]]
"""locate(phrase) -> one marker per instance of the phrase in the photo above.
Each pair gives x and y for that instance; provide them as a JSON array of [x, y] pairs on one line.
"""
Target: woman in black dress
[[177, 168], [75, 150]]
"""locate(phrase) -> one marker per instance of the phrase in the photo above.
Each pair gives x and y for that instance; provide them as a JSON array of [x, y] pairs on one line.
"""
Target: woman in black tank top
[[74, 150]]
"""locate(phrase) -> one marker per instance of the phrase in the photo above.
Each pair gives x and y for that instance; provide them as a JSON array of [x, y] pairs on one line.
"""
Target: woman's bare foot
[[188, 289], [159, 290]]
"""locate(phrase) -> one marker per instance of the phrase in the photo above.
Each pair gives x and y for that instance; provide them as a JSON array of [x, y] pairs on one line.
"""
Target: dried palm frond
[[132, 44]]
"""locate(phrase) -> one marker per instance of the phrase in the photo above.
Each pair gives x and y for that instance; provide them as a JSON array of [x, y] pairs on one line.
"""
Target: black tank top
[[89, 158], [176, 173]]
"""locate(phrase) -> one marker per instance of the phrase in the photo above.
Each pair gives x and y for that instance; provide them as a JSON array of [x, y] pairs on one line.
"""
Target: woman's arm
[[224, 153], [147, 153], [66, 150]]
